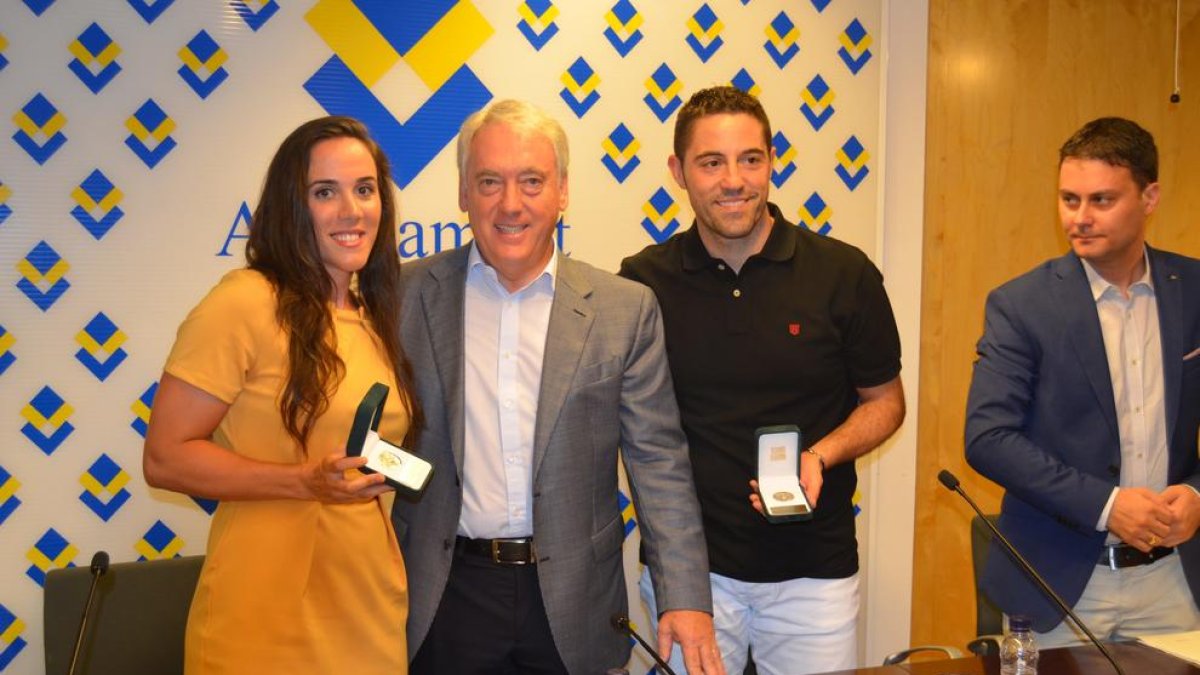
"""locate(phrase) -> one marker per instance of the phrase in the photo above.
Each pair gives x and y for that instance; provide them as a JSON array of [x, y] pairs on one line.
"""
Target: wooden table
[[1134, 657]]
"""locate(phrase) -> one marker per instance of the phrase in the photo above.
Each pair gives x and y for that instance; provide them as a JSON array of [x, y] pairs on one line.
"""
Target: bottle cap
[[1018, 622]]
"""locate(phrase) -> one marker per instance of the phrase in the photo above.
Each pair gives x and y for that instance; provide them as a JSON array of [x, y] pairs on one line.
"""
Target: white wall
[[892, 471], [183, 218]]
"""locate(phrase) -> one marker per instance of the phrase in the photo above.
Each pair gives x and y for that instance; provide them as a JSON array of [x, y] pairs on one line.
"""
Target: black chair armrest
[[902, 656]]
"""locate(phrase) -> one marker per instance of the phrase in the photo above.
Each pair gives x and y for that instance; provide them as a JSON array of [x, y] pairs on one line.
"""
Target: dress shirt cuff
[[1103, 524]]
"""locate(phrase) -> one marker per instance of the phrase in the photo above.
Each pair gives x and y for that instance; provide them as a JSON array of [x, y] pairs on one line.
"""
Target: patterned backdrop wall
[[138, 132]]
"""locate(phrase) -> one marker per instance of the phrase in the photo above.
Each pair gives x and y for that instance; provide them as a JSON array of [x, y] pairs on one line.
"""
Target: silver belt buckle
[[1112, 558], [496, 552]]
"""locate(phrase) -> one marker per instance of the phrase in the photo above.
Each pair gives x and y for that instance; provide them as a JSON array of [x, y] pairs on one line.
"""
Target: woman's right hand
[[327, 479], [181, 456]]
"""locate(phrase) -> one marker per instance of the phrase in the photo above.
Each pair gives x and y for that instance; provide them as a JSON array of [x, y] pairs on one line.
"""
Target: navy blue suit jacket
[[1041, 422]]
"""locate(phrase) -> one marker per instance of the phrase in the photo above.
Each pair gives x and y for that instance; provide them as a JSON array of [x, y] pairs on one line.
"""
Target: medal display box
[[401, 469], [779, 474]]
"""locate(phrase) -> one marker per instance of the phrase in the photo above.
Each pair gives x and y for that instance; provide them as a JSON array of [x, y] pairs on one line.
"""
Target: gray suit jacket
[[605, 384]]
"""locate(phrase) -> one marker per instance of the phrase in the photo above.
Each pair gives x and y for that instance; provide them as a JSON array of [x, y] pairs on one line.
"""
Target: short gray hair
[[522, 117]]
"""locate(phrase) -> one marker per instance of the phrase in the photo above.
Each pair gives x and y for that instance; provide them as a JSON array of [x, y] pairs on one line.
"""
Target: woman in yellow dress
[[303, 573]]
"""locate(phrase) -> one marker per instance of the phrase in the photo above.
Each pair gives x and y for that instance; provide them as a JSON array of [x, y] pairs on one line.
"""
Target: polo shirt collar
[[779, 247], [781, 243]]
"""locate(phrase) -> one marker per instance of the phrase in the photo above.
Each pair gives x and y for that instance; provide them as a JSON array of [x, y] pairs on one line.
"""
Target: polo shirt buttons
[[737, 292]]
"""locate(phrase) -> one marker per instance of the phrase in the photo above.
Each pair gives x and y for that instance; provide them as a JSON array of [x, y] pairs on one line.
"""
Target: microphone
[[100, 563], [951, 483], [99, 568], [622, 624]]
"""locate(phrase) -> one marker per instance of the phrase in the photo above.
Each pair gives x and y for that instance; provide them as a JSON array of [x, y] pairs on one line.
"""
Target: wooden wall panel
[[1009, 81]]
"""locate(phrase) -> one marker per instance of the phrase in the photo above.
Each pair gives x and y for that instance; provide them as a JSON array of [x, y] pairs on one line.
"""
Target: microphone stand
[[623, 625], [98, 568], [951, 483]]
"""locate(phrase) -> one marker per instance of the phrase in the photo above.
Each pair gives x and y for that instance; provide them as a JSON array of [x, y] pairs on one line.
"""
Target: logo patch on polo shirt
[[794, 329]]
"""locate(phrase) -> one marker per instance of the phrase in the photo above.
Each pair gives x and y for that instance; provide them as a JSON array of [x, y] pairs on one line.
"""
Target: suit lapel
[[1073, 298], [570, 322], [442, 301], [1168, 292]]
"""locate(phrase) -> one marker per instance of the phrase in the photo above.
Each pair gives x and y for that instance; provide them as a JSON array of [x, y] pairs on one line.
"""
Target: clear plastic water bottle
[[1018, 649]]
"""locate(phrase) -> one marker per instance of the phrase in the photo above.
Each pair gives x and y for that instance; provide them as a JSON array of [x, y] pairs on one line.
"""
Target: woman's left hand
[[327, 480]]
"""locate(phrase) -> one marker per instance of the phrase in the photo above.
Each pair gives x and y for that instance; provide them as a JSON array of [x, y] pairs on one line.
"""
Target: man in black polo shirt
[[769, 324]]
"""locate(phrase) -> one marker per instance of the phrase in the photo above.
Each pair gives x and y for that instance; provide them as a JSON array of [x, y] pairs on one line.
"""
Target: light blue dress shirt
[[1133, 346], [505, 340]]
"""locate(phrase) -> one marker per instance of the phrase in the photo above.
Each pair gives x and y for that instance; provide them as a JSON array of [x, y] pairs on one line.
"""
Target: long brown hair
[[283, 247]]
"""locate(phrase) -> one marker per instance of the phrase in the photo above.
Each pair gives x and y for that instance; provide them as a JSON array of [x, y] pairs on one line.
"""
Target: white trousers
[[1126, 603], [793, 627]]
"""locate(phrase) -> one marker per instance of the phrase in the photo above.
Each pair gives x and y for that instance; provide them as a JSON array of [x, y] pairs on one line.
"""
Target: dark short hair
[[1116, 141], [714, 101]]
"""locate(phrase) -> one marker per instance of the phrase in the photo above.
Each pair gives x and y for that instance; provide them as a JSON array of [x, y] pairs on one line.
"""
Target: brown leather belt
[[500, 551], [1123, 555]]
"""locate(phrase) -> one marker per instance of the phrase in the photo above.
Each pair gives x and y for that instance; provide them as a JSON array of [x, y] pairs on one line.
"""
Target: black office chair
[[137, 622], [989, 620]]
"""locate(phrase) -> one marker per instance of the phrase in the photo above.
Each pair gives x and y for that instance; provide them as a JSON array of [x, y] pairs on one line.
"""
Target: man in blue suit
[[1085, 405]]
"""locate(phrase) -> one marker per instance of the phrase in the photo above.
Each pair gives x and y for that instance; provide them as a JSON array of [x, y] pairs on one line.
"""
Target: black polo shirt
[[786, 341]]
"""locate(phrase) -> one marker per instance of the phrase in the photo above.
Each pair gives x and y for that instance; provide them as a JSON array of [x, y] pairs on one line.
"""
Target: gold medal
[[390, 460], [783, 496]]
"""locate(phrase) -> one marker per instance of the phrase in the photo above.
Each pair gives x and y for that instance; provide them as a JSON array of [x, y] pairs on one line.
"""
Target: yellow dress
[[289, 586]]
